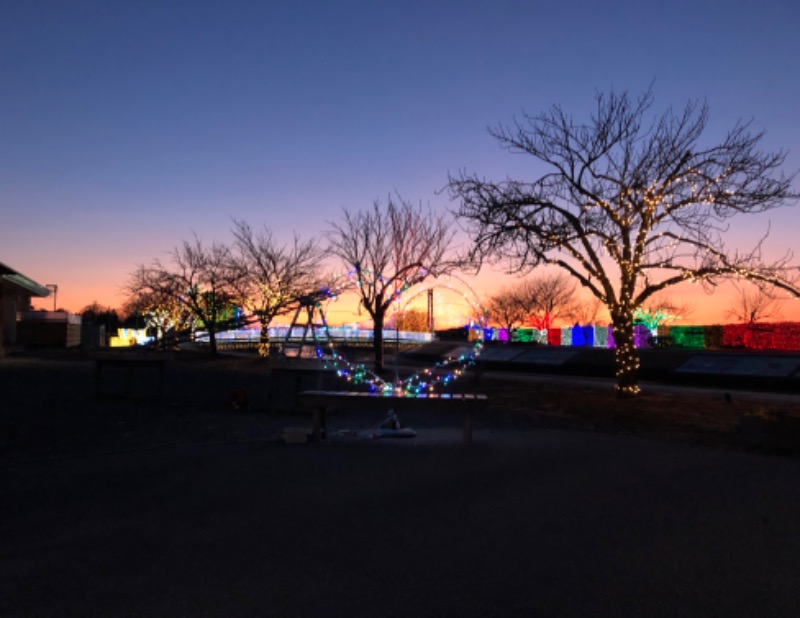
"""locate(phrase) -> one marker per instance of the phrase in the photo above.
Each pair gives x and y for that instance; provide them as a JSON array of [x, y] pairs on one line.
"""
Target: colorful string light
[[427, 380]]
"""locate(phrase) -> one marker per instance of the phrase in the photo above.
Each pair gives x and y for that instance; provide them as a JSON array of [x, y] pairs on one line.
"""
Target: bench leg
[[468, 426], [98, 378], [130, 380], [160, 368], [318, 423]]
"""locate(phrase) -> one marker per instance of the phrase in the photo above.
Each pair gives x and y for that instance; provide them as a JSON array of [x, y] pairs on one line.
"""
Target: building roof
[[17, 279]]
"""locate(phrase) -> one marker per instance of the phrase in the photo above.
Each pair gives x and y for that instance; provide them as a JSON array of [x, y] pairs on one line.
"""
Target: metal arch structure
[[310, 313], [343, 284], [445, 281]]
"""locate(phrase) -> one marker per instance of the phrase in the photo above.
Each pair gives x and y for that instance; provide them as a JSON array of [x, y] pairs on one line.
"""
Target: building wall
[[11, 302], [3, 321], [49, 329]]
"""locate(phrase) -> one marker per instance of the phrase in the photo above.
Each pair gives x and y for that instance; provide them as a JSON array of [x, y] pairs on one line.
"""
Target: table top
[[130, 358], [393, 395]]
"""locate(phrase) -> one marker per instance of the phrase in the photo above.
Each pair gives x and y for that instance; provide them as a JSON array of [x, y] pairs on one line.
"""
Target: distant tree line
[[386, 250]]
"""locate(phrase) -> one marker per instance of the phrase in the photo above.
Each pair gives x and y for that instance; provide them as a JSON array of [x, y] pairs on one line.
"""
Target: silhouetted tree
[[274, 276], [629, 206], [504, 308], [199, 278], [95, 313], [546, 299], [410, 320], [159, 311], [389, 249], [587, 311], [91, 311], [755, 303]]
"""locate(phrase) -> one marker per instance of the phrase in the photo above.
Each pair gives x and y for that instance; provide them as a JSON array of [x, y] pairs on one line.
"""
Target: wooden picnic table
[[321, 401]]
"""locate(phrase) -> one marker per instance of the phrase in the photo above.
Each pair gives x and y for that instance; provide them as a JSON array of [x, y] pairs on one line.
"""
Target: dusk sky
[[125, 127]]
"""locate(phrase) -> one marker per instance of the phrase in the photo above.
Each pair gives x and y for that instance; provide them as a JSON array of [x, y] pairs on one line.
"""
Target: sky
[[127, 127]]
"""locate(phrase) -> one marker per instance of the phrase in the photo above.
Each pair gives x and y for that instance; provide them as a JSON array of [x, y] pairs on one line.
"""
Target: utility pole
[[430, 311], [54, 287]]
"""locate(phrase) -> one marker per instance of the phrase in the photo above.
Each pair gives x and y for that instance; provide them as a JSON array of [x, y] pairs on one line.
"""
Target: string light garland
[[441, 374], [427, 380]]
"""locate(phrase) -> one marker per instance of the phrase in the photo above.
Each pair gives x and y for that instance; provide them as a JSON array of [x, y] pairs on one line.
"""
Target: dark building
[[16, 291]]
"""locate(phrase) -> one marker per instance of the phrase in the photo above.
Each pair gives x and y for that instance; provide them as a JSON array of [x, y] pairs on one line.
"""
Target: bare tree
[[629, 207], [410, 320], [505, 309], [389, 249], [161, 312], [755, 303], [199, 278], [273, 276], [546, 299], [586, 311], [95, 313]]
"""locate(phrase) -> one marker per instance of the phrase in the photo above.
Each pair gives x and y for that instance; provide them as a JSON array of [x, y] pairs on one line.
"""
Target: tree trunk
[[377, 339], [626, 356], [263, 340], [212, 340], [211, 328]]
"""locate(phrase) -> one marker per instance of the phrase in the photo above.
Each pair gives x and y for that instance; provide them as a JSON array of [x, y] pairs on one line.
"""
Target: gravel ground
[[186, 507]]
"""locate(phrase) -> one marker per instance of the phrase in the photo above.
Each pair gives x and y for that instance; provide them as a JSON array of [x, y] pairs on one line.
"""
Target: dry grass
[[710, 417], [49, 407]]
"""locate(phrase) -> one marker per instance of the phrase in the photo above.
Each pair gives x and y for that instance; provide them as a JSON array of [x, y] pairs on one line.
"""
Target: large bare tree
[[587, 311], [160, 311], [505, 309], [410, 320], [755, 303], [547, 298], [631, 204], [200, 278], [273, 275], [388, 249]]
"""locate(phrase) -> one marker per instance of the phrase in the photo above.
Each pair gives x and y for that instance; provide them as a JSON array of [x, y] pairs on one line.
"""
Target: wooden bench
[[321, 401]]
